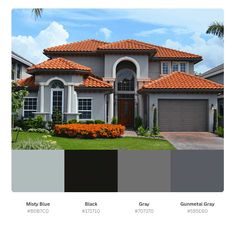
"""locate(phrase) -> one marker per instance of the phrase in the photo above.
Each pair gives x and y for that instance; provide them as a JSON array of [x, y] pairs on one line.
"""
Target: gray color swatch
[[37, 171], [144, 171], [197, 171]]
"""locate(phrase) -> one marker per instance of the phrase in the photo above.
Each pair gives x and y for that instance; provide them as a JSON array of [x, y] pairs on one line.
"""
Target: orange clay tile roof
[[58, 64], [180, 80], [128, 44], [88, 82], [89, 45], [92, 45], [28, 82], [91, 82], [164, 52]]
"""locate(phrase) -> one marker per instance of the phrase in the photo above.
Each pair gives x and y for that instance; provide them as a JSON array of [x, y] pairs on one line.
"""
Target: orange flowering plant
[[89, 130]]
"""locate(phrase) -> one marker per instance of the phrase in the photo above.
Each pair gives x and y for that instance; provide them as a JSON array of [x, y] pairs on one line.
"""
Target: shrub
[[114, 120], [17, 129], [89, 121], [138, 122], [220, 131], [38, 122], [73, 121], [89, 130], [99, 122], [142, 131], [155, 131], [39, 130], [57, 117], [36, 145]]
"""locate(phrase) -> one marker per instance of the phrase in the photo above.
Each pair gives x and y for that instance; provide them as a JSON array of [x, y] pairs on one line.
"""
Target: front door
[[126, 112]]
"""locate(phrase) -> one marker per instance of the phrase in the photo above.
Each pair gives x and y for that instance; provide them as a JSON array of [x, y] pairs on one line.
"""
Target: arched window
[[125, 80], [57, 84]]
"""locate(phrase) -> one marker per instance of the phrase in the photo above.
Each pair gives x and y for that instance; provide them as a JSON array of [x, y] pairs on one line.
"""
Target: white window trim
[[78, 111], [62, 107], [23, 110], [169, 67]]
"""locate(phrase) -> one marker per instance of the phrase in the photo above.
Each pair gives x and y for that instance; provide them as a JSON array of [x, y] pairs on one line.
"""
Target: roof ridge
[[150, 44]]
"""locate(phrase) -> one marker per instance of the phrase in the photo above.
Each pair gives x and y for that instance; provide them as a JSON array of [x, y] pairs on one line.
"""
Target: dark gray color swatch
[[144, 171], [197, 171], [37, 171]]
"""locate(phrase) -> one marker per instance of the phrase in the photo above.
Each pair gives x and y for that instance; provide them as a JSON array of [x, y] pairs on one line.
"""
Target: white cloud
[[32, 47], [212, 50], [106, 32], [147, 33]]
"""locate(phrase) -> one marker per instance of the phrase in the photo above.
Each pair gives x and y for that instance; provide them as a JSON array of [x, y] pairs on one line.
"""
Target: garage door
[[183, 115]]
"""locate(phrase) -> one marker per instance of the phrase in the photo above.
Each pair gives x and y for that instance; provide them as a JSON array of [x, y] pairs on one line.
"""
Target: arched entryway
[[125, 92]]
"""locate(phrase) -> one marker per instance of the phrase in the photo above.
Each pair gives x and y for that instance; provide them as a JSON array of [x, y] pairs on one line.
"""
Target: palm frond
[[37, 12], [217, 29]]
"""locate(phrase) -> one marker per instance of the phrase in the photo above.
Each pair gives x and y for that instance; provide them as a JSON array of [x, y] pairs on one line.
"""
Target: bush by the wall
[[220, 131], [89, 121], [72, 121], [114, 120], [142, 131], [138, 122], [89, 130], [99, 122]]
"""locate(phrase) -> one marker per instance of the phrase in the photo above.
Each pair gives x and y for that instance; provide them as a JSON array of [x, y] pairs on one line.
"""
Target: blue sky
[[182, 29]]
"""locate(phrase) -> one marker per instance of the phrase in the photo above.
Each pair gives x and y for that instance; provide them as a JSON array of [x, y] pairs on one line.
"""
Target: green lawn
[[125, 143]]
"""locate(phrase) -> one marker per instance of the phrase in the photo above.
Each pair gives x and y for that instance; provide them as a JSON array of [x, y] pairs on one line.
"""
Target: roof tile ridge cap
[[109, 43], [61, 45], [177, 50]]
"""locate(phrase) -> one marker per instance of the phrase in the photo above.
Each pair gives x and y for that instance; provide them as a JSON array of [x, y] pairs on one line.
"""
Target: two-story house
[[98, 80], [19, 66]]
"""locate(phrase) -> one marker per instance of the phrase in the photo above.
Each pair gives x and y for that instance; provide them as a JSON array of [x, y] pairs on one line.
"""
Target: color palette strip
[[118, 171]]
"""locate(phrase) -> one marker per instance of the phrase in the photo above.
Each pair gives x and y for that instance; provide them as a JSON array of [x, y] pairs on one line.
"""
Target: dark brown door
[[126, 112]]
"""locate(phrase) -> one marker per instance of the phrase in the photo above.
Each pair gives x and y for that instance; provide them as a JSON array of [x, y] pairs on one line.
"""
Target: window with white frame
[[85, 108], [175, 67], [183, 67], [30, 106], [165, 68]]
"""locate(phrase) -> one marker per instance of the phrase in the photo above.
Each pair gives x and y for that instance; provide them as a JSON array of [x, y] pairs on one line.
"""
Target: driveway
[[194, 140]]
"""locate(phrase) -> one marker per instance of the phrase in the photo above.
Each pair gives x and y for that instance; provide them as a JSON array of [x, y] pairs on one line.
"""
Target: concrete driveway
[[194, 140]]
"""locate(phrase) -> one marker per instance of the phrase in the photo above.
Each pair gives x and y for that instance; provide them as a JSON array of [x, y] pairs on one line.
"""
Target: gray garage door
[[183, 115]]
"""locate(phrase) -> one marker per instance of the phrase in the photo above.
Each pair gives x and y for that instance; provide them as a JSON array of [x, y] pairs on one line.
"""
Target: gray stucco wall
[[153, 99], [154, 69], [191, 68], [98, 104], [111, 59], [219, 78], [94, 62]]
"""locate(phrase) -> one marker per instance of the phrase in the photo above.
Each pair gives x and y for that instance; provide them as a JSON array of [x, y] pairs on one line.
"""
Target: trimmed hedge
[[89, 130]]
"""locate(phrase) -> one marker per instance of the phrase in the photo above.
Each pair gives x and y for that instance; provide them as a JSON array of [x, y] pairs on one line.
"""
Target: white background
[[117, 209]]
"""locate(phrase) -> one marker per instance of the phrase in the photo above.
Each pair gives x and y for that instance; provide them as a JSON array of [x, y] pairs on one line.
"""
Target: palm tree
[[217, 29], [37, 12]]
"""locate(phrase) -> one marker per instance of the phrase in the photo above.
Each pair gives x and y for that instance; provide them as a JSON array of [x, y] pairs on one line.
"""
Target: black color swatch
[[197, 171], [91, 171]]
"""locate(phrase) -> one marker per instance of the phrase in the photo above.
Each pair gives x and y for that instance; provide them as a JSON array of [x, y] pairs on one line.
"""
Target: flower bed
[[89, 130]]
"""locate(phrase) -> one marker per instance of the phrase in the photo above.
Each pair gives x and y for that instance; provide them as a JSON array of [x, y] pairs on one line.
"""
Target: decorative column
[[111, 107], [41, 98], [69, 99]]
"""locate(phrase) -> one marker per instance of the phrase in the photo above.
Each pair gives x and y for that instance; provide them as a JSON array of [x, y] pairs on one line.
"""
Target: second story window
[[165, 68], [183, 67], [175, 67]]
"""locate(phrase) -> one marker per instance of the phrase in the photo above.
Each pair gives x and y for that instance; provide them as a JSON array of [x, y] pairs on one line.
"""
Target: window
[[85, 108], [165, 68], [30, 106], [183, 67], [125, 80], [18, 72], [175, 67]]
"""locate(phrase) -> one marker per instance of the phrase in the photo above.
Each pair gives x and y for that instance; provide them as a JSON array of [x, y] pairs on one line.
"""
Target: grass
[[125, 143]]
